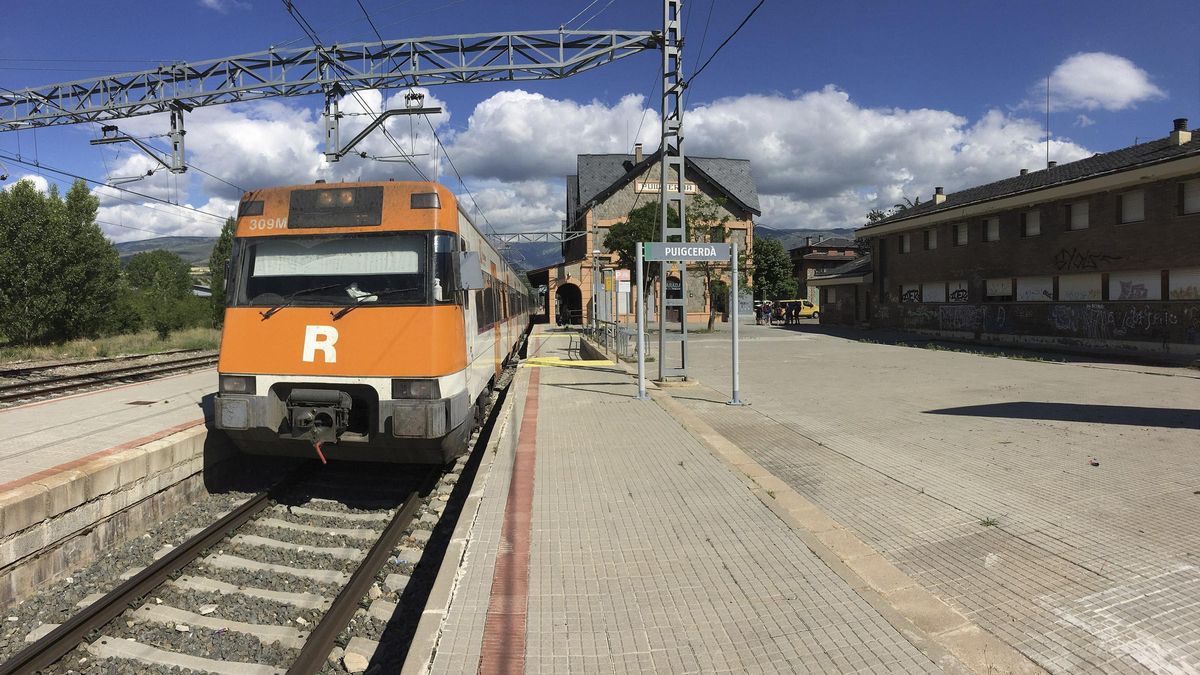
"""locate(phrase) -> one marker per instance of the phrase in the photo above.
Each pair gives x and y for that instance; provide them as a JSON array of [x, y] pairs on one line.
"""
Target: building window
[[1031, 224], [905, 243], [933, 292], [1184, 284], [910, 293], [1080, 287], [1035, 289], [1132, 206], [958, 291], [960, 234], [1189, 196], [1135, 285], [991, 229], [997, 290], [831, 295], [930, 240], [1077, 216]]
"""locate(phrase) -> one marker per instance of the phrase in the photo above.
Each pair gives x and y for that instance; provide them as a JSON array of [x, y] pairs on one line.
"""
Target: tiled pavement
[[1083, 568], [649, 555]]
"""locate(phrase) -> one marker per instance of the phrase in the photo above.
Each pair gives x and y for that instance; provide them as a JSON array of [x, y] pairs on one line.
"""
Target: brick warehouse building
[[1099, 253], [602, 192], [816, 258]]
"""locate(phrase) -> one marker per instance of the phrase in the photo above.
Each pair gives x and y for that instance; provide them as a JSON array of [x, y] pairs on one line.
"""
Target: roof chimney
[[808, 241], [1051, 164], [1180, 134], [637, 153], [1024, 171], [939, 195]]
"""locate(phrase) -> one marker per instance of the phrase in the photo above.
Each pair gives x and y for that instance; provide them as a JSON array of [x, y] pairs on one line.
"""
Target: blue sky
[[841, 107]]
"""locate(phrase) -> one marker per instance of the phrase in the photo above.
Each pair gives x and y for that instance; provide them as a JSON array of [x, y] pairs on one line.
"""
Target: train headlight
[[423, 389], [237, 384]]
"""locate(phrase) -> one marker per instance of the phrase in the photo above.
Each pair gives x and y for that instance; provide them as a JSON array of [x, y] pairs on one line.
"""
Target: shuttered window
[[1077, 216], [1132, 206], [1189, 196], [1031, 224]]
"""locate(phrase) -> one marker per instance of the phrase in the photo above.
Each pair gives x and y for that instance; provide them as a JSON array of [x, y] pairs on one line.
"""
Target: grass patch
[[145, 342], [989, 522]]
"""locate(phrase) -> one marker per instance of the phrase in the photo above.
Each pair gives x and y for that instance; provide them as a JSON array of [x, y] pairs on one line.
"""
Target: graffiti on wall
[[959, 295], [1148, 321], [1133, 290], [911, 295], [1074, 259]]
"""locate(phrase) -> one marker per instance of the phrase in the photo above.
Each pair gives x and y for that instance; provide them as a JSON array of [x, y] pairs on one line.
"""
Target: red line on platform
[[503, 651]]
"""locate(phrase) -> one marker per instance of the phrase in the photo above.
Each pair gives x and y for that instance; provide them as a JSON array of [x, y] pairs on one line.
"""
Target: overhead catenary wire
[[311, 32], [726, 41], [45, 167], [436, 137]]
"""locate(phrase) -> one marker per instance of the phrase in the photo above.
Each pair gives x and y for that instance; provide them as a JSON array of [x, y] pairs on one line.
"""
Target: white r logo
[[322, 338]]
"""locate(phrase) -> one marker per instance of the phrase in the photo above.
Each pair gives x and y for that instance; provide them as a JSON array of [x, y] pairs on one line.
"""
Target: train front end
[[344, 331]]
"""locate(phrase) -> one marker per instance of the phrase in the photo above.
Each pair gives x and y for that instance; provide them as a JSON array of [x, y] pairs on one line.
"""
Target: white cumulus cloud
[[1099, 81], [39, 182]]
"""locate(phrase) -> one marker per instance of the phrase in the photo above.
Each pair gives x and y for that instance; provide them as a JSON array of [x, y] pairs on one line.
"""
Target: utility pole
[[672, 160]]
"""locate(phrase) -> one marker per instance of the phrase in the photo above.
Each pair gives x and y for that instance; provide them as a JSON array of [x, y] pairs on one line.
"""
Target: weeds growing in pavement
[[989, 522]]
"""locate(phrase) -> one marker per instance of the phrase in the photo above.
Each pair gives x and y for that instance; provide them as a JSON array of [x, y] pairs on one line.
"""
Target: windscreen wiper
[[349, 308], [289, 299]]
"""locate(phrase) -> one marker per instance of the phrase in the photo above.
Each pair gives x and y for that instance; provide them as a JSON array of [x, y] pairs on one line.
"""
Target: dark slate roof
[[854, 268], [1153, 152], [572, 199], [601, 175]]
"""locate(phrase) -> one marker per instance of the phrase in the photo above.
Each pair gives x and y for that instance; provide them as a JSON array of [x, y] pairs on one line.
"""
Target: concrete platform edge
[[55, 520], [943, 634], [429, 628]]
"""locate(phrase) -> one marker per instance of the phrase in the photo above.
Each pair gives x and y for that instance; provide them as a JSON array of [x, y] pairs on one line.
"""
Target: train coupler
[[319, 416]]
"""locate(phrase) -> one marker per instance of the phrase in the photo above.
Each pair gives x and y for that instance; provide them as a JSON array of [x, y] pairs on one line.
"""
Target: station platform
[[43, 437], [612, 535]]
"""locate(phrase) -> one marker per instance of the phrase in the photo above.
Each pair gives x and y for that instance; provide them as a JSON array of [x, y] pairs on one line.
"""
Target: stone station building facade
[[602, 192]]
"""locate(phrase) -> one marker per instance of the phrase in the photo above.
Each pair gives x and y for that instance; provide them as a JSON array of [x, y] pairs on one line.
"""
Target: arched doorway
[[568, 305]]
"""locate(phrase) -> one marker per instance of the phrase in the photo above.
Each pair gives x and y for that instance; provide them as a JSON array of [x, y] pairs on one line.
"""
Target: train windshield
[[386, 269]]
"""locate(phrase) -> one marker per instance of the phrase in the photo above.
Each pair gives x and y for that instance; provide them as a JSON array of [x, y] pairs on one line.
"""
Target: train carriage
[[364, 321]]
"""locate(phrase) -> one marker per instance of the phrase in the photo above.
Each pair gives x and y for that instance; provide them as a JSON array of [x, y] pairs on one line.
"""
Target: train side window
[[443, 268]]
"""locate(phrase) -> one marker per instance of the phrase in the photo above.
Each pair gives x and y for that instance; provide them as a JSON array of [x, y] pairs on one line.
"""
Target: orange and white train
[[364, 321]]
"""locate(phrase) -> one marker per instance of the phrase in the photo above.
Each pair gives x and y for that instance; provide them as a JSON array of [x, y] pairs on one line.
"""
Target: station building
[[602, 192], [819, 257], [1099, 253]]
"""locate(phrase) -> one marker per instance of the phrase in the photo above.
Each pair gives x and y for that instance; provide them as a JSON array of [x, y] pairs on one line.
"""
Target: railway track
[[327, 571], [214, 593], [26, 371], [60, 385]]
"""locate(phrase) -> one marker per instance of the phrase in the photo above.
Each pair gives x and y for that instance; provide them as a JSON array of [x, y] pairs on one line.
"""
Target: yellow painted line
[[555, 361]]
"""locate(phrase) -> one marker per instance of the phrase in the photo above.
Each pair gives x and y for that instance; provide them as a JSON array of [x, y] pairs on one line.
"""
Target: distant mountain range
[[196, 250], [193, 250]]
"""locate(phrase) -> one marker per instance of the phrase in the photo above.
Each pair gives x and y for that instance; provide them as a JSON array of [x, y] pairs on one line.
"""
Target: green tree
[[33, 295], [708, 222], [93, 269], [216, 266], [641, 225], [160, 271], [165, 290], [772, 270]]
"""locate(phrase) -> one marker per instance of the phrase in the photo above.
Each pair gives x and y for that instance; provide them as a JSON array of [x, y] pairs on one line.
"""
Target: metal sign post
[[733, 301], [641, 327], [664, 252]]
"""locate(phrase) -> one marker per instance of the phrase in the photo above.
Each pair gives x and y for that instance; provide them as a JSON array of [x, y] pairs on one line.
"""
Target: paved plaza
[[1056, 505]]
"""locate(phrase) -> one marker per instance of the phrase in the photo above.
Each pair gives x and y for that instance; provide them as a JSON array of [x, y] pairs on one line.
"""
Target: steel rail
[[20, 390], [321, 640], [26, 370], [69, 635]]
